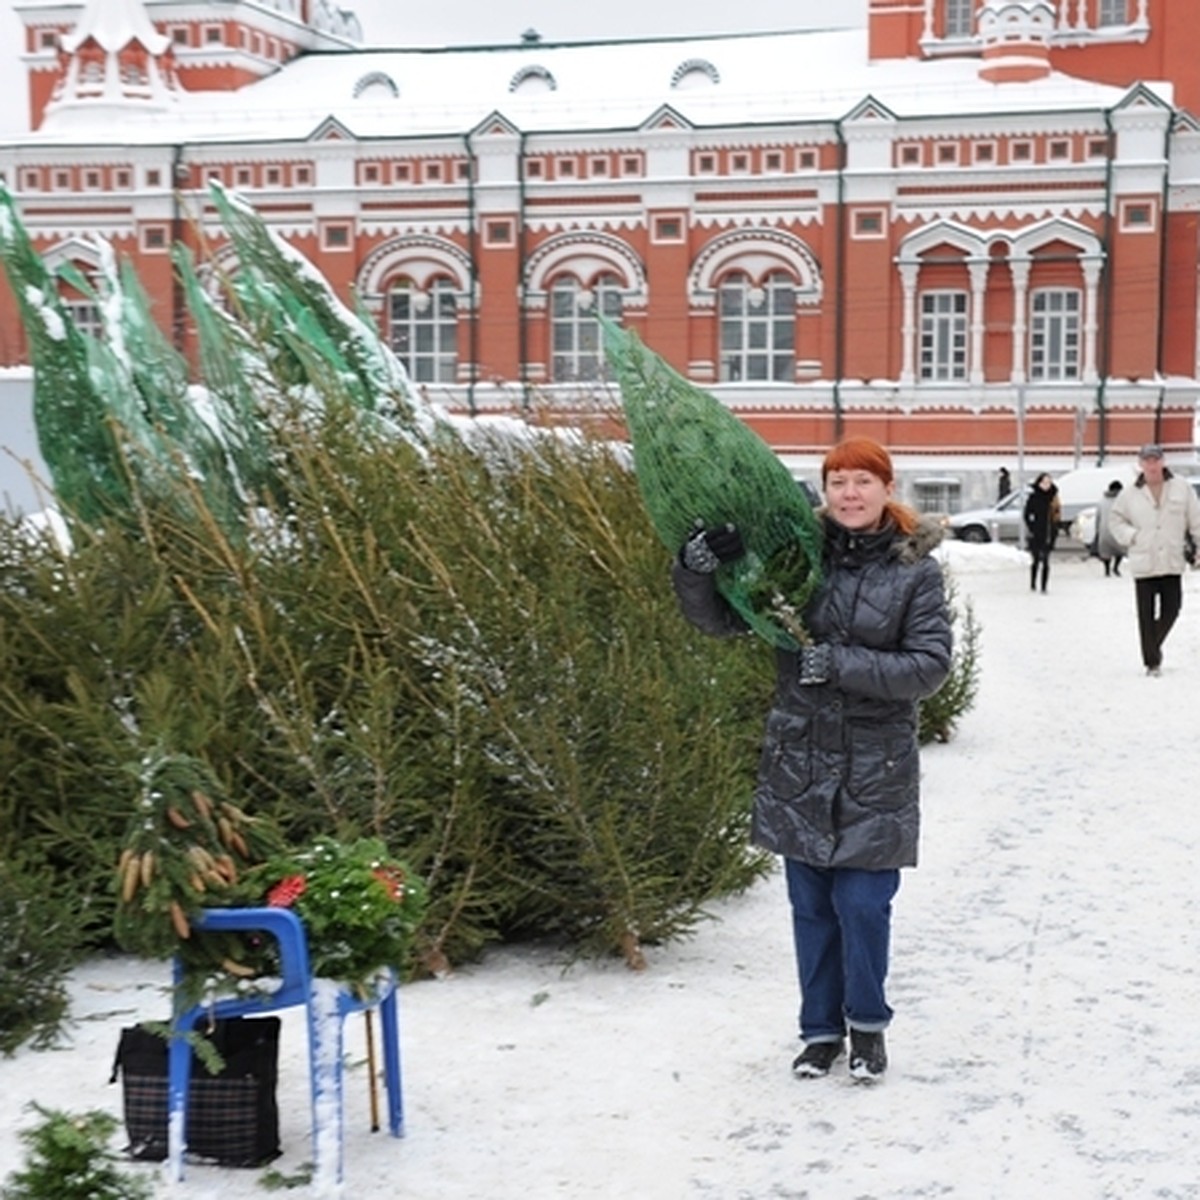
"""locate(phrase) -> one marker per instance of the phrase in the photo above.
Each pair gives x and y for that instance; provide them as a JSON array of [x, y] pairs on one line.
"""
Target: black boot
[[868, 1056], [814, 1061]]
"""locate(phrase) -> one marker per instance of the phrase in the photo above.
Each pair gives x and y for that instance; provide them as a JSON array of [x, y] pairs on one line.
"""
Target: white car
[[1000, 523]]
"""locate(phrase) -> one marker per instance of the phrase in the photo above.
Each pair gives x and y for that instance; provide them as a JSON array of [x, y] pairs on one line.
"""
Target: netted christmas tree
[[77, 435], [697, 464]]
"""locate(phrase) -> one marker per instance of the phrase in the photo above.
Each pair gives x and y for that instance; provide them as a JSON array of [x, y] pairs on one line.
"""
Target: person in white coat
[[1151, 520]]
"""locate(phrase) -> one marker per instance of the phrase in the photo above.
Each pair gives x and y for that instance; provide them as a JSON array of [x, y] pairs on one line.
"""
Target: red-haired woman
[[837, 794]]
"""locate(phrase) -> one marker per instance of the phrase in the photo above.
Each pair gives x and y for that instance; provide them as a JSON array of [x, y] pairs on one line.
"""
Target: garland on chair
[[189, 847]]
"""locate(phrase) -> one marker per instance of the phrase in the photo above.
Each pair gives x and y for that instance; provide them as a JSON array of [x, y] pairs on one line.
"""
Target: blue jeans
[[841, 921]]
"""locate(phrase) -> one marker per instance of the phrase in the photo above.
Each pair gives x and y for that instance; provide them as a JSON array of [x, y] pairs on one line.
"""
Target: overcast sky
[[447, 23]]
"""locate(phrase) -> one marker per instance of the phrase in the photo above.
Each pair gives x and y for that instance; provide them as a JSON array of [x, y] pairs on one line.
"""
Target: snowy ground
[[1044, 977]]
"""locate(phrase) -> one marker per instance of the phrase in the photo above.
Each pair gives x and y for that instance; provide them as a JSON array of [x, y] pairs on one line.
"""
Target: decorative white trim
[[977, 246], [420, 258], [72, 249], [757, 251], [586, 254]]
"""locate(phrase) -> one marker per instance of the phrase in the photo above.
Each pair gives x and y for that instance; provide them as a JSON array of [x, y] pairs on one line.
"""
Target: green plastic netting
[[696, 461]]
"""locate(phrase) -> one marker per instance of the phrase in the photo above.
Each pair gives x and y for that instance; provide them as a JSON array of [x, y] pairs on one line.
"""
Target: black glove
[[816, 663], [706, 549]]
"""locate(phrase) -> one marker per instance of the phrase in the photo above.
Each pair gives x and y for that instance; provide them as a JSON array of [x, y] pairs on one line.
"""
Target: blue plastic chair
[[297, 987]]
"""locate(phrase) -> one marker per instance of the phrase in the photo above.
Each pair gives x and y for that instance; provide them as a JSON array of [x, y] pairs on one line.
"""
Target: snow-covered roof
[[114, 24], [715, 80]]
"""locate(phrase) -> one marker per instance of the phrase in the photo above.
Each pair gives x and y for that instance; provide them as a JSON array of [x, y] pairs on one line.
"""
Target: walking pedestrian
[[838, 785], [1152, 520], [1108, 550], [1004, 486], [1043, 511]]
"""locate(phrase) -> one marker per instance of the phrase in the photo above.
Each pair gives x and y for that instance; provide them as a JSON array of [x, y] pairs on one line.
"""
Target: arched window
[[578, 355], [532, 78], [422, 329], [758, 328], [695, 72], [376, 85]]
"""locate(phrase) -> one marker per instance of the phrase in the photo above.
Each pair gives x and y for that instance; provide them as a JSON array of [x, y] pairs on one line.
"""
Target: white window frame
[[1055, 334], [985, 154], [860, 231], [659, 230], [1127, 225], [499, 231], [1112, 12], [422, 328], [943, 344], [147, 245], [960, 18], [332, 232], [576, 349], [937, 495], [757, 328], [86, 317]]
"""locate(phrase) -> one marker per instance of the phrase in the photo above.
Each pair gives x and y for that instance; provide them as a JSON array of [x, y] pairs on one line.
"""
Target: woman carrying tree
[[837, 794]]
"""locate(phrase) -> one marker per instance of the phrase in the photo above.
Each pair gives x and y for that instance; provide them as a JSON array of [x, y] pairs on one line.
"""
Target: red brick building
[[969, 227]]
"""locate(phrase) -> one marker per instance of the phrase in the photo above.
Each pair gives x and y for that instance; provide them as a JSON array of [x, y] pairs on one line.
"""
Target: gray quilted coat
[[838, 781]]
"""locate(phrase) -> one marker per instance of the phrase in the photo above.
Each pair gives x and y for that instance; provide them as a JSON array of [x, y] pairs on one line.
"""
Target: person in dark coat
[[838, 783], [1004, 486], [1042, 513]]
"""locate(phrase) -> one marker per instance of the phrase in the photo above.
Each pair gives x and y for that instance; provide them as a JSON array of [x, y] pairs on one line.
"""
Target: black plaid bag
[[232, 1117]]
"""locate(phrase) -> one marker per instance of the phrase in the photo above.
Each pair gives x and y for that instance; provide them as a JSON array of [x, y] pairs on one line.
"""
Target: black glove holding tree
[[706, 549], [816, 663]]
